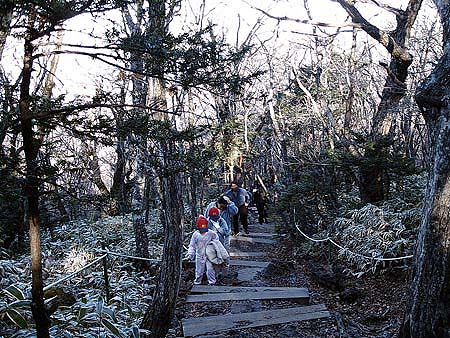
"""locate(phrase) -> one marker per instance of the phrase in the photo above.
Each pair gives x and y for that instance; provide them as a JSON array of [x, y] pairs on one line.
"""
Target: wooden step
[[258, 234], [256, 264], [246, 254], [226, 288], [252, 240], [300, 296], [213, 324]]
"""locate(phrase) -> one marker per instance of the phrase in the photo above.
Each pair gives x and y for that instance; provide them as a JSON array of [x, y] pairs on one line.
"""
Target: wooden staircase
[[207, 325]]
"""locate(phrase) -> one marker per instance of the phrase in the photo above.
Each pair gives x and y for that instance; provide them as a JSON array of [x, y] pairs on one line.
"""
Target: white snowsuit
[[197, 247]]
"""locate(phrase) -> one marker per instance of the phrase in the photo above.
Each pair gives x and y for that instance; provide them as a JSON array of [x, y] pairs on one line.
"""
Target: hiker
[[217, 224], [241, 198], [197, 250], [227, 209], [260, 200]]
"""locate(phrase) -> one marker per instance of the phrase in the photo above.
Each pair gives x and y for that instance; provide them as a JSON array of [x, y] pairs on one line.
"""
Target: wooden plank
[[238, 262], [299, 295], [213, 324], [252, 240], [247, 254], [226, 288], [258, 234]]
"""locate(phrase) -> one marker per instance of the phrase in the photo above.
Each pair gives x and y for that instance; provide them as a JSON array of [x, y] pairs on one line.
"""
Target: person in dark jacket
[[241, 199], [260, 200]]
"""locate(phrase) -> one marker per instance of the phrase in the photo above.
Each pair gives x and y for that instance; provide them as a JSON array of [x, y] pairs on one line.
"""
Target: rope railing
[[328, 239], [153, 260], [74, 273], [105, 255]]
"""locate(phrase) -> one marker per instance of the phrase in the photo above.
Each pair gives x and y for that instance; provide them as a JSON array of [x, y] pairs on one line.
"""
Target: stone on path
[[246, 275]]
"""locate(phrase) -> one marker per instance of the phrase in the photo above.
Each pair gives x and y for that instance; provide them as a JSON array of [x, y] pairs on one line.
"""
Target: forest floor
[[368, 306]]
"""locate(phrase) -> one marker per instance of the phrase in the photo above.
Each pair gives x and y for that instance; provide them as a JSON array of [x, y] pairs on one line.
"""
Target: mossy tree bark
[[428, 311]]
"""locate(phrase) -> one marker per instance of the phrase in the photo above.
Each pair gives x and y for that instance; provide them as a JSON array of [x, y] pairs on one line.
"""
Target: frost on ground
[[82, 308]]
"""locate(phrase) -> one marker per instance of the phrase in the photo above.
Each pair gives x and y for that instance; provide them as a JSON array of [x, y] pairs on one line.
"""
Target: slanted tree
[[428, 309], [374, 183]]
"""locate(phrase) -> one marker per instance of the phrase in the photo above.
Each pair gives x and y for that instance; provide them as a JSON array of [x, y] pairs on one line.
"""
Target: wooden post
[[105, 273]]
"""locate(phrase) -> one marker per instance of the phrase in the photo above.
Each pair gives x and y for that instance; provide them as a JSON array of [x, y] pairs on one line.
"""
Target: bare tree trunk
[[158, 318], [428, 310], [192, 184], [160, 314], [140, 138], [32, 195], [48, 92], [225, 113]]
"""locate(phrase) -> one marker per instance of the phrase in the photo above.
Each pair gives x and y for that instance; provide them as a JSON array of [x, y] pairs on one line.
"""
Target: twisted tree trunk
[[374, 182]]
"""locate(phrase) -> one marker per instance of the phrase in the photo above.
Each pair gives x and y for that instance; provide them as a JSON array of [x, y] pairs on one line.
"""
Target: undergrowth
[[366, 233]]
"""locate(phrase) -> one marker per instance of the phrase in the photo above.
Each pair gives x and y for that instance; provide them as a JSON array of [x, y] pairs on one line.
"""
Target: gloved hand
[[226, 198]]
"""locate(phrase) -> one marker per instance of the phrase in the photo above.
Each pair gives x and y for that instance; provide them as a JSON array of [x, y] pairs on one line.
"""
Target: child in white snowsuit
[[197, 249]]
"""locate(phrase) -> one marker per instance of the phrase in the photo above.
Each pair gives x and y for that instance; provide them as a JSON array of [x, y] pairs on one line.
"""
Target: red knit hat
[[202, 224], [213, 212]]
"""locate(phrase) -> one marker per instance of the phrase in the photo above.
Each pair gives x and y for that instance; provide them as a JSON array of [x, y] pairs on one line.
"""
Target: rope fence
[[153, 260], [103, 257], [328, 239], [74, 273]]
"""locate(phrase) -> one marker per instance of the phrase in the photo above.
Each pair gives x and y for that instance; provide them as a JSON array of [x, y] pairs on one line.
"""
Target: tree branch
[[40, 114], [386, 39], [388, 8], [306, 22]]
